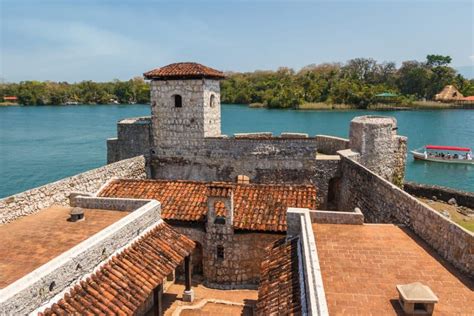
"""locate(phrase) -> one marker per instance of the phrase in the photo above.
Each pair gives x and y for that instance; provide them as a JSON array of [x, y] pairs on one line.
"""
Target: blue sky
[[102, 40]]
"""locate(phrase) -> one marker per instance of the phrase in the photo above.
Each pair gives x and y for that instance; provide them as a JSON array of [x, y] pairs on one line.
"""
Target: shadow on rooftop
[[448, 266], [397, 307]]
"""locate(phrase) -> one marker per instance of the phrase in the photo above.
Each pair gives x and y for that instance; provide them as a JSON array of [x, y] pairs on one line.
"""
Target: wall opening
[[220, 252], [212, 101], [178, 101], [333, 192], [196, 258]]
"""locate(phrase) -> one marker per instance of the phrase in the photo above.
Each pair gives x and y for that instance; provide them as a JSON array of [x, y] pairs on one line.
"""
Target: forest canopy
[[358, 83]]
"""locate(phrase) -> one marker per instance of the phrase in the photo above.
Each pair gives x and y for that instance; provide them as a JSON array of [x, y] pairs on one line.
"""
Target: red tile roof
[[469, 98], [279, 292], [121, 286], [184, 71], [256, 206]]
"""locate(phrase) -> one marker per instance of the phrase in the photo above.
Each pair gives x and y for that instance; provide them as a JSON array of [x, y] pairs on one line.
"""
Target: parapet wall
[[33, 200], [382, 202], [330, 145], [336, 217], [262, 159]]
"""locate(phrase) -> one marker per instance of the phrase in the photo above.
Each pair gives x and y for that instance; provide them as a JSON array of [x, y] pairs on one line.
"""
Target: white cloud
[[61, 50]]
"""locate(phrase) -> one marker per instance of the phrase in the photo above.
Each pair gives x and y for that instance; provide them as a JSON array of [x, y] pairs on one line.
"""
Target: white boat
[[446, 154]]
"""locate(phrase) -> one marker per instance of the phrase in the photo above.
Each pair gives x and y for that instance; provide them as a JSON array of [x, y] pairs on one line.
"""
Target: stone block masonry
[[382, 202], [188, 122], [31, 201], [133, 139]]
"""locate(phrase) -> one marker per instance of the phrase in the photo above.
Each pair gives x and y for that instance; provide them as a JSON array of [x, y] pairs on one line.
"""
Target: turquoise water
[[46, 143]]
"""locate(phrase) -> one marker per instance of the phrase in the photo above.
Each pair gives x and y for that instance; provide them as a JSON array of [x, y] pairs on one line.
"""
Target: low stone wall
[[41, 285], [33, 200], [105, 203], [333, 217], [442, 193], [329, 145], [382, 202], [312, 288]]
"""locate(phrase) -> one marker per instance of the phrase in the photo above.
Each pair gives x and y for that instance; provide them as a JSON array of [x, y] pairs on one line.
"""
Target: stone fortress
[[262, 211], [182, 140]]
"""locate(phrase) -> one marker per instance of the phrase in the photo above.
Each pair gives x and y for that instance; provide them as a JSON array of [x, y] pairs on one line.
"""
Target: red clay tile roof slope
[[184, 70], [256, 206], [122, 285], [279, 291]]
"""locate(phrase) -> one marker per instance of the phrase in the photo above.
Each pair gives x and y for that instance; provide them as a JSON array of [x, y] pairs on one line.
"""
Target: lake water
[[46, 143]]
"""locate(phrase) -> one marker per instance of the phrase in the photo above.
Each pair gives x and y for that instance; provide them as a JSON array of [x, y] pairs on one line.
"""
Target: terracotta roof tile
[[125, 281], [279, 291], [256, 206], [184, 71]]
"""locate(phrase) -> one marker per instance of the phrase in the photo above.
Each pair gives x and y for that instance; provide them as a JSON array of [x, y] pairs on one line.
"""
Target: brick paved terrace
[[33, 240], [209, 301], [362, 264]]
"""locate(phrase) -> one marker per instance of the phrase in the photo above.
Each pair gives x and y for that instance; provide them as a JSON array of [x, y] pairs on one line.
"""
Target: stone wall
[[133, 139], [262, 159], [41, 285], [311, 282], [382, 202], [329, 145], [33, 200], [336, 217], [105, 203], [185, 126], [243, 253], [441, 193]]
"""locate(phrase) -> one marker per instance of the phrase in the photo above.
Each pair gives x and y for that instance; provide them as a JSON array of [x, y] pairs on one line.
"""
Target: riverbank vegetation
[[135, 90], [359, 83]]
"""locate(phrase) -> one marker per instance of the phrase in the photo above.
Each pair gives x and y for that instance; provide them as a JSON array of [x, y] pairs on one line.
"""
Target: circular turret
[[374, 138]]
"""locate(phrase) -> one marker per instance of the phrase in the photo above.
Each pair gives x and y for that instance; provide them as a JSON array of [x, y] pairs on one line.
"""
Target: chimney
[[76, 214], [243, 179], [220, 203], [416, 298]]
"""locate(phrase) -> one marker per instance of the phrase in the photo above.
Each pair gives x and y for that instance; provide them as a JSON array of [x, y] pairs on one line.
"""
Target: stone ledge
[[299, 224], [335, 217]]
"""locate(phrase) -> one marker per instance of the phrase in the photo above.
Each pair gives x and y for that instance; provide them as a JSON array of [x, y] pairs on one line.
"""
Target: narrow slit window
[[212, 101], [220, 252], [178, 101]]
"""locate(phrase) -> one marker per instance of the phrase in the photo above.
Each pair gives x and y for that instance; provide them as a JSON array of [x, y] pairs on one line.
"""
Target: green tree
[[437, 60]]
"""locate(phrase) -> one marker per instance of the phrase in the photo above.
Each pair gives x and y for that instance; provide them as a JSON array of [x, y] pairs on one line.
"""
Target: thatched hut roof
[[449, 93]]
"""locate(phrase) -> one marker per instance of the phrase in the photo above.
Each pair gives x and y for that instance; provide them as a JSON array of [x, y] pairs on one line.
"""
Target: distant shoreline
[[417, 105]]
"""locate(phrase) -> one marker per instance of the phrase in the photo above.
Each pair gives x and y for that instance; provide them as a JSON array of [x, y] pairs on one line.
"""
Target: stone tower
[[381, 149], [185, 106]]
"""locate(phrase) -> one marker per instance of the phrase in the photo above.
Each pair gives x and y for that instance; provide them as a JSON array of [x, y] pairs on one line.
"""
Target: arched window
[[178, 101], [212, 101]]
